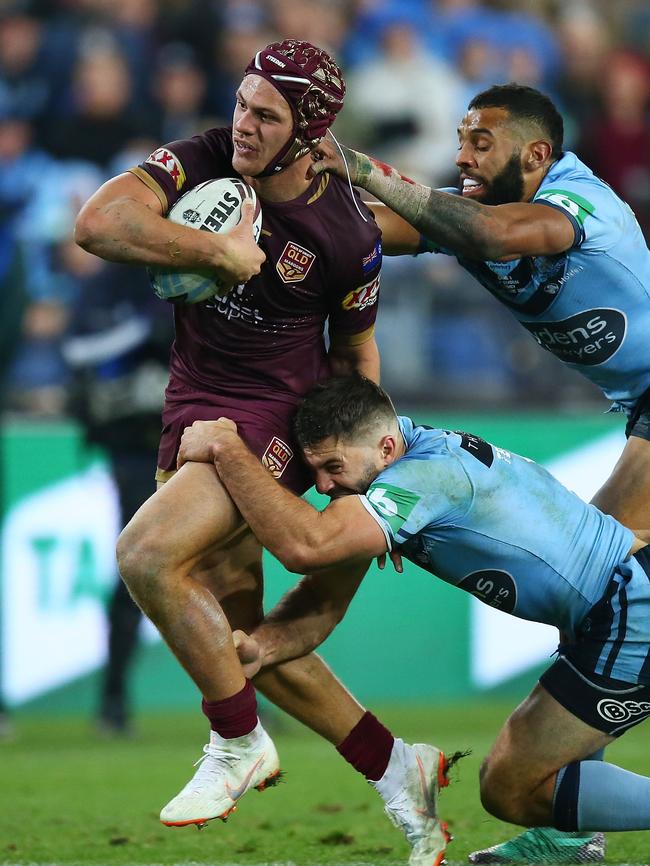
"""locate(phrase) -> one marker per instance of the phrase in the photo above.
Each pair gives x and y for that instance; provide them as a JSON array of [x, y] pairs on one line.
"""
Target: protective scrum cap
[[313, 85]]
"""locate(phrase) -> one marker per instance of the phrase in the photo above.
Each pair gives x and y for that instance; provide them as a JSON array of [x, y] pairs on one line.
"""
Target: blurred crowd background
[[91, 87]]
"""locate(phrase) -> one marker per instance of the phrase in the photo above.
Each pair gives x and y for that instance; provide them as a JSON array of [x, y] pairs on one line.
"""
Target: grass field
[[69, 797]]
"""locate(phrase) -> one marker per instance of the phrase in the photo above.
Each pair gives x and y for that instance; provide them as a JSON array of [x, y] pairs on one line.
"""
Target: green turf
[[69, 797]]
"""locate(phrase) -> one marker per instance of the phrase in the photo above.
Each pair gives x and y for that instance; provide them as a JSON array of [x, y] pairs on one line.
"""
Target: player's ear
[[388, 448], [537, 154]]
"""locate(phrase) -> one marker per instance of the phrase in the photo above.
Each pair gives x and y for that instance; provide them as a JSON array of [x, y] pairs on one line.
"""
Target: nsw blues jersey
[[589, 306], [498, 526]]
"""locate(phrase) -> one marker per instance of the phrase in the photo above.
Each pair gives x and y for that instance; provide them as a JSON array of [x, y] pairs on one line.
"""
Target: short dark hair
[[344, 406], [525, 103]]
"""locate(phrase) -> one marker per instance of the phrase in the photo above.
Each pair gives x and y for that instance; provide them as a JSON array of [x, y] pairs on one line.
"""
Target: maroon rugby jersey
[[266, 337]]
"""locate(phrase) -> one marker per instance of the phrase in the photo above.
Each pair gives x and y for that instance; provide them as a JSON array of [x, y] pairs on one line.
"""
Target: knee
[[140, 555]]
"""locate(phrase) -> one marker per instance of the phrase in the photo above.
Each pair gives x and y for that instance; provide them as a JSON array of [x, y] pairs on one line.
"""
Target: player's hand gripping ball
[[213, 206]]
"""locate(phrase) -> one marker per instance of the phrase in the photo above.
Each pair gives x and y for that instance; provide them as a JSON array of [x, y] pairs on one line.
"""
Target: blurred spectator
[[616, 143], [25, 81], [179, 90], [101, 121], [322, 22], [586, 42], [414, 129]]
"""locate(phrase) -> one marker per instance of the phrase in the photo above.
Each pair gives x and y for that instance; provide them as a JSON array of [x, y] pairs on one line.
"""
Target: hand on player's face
[[198, 440], [326, 157], [241, 257]]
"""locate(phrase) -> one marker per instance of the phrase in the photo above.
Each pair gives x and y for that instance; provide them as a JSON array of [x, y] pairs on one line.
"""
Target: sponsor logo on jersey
[[370, 262], [294, 263], [588, 338], [364, 296], [276, 457], [492, 586], [622, 711], [166, 160], [574, 204]]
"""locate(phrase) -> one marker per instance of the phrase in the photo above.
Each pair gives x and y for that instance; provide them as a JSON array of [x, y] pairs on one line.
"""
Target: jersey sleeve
[[177, 167], [402, 512], [592, 208], [356, 282]]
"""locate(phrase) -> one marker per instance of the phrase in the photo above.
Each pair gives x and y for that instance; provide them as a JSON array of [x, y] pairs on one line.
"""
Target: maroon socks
[[235, 716], [368, 747]]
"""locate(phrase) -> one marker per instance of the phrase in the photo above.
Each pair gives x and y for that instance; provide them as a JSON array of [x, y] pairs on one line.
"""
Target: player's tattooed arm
[[453, 223], [459, 225]]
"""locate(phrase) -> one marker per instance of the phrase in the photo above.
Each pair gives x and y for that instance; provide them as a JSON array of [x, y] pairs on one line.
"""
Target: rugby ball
[[212, 206]]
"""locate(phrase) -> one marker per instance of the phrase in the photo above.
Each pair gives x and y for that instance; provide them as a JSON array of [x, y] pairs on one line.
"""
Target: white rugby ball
[[213, 206]]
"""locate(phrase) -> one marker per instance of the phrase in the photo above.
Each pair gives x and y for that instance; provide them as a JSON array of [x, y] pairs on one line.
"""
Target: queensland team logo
[[364, 296], [295, 263], [276, 457], [166, 160]]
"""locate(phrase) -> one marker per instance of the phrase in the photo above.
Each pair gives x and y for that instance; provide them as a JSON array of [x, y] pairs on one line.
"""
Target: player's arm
[[302, 538], [398, 237], [459, 225], [304, 616], [347, 357], [124, 222]]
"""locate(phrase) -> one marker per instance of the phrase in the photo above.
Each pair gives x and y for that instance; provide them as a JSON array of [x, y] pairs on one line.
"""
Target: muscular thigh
[[185, 518], [626, 493], [540, 737]]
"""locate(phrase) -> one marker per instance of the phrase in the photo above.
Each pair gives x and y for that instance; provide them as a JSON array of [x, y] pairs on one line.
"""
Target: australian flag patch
[[372, 260]]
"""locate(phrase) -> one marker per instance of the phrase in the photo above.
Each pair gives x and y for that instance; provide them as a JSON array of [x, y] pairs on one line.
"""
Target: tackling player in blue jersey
[[494, 524], [566, 256]]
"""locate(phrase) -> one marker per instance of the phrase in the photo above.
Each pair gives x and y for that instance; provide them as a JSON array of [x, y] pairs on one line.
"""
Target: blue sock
[[593, 795]]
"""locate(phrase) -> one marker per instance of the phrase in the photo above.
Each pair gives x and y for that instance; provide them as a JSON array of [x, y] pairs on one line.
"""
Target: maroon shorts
[[264, 425]]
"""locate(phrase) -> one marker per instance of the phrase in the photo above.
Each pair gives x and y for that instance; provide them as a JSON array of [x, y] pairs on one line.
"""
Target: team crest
[[364, 296], [294, 263], [166, 160], [276, 457]]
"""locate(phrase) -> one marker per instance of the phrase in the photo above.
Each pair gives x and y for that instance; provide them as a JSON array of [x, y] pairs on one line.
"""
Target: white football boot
[[227, 769], [410, 789]]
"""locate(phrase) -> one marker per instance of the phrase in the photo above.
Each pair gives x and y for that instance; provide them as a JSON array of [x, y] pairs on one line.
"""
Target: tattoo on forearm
[[449, 220]]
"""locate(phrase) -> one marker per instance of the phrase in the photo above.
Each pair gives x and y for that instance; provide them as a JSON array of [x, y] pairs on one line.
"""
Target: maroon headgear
[[312, 84]]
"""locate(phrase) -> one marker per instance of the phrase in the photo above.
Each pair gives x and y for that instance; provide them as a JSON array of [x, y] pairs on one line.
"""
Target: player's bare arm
[[346, 358], [301, 537], [398, 237], [302, 619], [124, 222], [466, 228]]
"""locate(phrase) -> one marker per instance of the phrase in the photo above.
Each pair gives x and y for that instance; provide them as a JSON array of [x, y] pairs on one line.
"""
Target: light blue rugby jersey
[[498, 526], [589, 306]]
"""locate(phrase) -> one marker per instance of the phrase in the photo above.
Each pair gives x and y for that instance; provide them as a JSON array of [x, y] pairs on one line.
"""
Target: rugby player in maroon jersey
[[189, 561]]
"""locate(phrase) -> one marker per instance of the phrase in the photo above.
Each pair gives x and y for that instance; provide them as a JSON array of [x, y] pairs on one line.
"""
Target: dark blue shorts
[[638, 423]]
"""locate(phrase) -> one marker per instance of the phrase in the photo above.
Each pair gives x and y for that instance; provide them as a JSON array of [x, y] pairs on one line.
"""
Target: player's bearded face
[[262, 123], [507, 185], [489, 157]]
